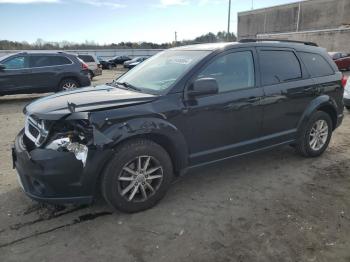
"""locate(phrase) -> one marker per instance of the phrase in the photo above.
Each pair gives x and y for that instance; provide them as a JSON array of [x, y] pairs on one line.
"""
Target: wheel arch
[[322, 103], [155, 129]]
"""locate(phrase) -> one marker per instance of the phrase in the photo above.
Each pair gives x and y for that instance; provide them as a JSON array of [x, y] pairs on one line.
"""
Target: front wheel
[[137, 177], [315, 136]]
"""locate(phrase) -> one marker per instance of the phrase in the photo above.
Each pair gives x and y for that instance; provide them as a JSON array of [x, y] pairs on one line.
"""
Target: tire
[[68, 84], [124, 188], [305, 145], [91, 75]]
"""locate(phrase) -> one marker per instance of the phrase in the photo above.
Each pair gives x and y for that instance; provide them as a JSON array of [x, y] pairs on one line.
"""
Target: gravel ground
[[272, 206]]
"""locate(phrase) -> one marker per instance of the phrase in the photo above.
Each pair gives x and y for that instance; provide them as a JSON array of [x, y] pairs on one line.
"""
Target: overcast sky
[[113, 21]]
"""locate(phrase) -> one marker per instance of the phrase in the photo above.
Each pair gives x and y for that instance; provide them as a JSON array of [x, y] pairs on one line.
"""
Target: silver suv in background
[[95, 68]]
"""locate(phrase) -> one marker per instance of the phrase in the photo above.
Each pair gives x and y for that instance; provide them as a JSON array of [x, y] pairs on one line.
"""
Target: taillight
[[344, 80], [84, 66]]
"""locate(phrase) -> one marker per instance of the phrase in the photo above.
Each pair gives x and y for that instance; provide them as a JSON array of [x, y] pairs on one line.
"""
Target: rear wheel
[[68, 84], [315, 136], [137, 177]]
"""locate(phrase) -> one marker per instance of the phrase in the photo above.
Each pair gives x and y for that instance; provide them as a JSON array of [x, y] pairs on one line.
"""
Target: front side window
[[18, 62], [232, 71], [161, 71], [278, 67]]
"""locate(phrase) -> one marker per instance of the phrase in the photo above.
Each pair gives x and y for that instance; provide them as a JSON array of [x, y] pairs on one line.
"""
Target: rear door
[[288, 90], [46, 69], [15, 78]]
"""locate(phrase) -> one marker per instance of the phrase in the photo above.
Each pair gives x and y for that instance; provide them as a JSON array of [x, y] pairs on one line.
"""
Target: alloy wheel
[[140, 178], [318, 135], [69, 86]]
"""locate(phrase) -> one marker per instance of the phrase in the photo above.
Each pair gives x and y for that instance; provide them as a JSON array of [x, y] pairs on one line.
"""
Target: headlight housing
[[71, 136]]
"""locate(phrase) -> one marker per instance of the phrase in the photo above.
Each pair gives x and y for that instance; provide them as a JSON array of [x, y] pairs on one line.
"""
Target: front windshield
[[159, 72]]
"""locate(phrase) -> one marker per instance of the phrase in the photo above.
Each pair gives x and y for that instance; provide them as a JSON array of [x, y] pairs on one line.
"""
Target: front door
[[226, 123], [15, 78]]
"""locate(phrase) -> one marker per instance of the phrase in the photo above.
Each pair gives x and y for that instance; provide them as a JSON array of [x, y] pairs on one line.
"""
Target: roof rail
[[276, 40]]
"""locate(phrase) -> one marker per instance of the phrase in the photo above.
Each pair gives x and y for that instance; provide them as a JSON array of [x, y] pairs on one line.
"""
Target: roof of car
[[217, 46]]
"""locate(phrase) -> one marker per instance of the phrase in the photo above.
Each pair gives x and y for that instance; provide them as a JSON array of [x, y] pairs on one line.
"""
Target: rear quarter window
[[87, 58], [316, 64], [278, 66]]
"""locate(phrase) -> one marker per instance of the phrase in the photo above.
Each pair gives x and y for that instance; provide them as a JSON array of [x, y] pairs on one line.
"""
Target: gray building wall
[[325, 22]]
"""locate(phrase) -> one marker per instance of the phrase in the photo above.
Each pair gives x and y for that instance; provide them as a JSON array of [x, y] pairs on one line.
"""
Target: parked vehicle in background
[[182, 108], [347, 94], [95, 68], [41, 72], [342, 60], [119, 60], [134, 62], [104, 63]]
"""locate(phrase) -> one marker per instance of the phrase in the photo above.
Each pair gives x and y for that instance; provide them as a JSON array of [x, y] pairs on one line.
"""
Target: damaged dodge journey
[[182, 108]]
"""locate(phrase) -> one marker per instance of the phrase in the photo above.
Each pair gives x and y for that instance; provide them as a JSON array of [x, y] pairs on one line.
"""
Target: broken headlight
[[71, 137]]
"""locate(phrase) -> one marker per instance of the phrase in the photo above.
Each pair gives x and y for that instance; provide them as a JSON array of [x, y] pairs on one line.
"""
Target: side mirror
[[2, 67], [203, 86]]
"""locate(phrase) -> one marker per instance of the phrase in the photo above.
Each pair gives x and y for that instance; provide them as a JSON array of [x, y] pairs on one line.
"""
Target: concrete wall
[[332, 40], [300, 16], [104, 53]]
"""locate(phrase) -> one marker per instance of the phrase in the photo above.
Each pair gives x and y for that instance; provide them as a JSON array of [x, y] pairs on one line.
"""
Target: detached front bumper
[[56, 177]]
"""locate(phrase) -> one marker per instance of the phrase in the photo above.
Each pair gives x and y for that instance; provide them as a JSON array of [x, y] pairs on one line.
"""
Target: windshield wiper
[[128, 86]]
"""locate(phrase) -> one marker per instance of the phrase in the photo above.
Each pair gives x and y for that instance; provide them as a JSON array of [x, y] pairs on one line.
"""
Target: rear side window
[[42, 61], [278, 67], [316, 64], [87, 58], [60, 60]]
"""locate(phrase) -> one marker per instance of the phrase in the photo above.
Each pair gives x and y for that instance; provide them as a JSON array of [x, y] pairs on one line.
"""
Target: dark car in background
[[119, 60], [341, 59], [25, 73], [134, 62], [104, 63], [183, 108]]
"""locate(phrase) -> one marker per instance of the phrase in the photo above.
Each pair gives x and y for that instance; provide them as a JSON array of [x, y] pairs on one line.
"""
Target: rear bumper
[[54, 177], [346, 102], [97, 72]]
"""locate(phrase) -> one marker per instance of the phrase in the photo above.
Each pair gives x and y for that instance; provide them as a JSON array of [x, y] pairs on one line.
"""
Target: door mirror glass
[[204, 86], [2, 67]]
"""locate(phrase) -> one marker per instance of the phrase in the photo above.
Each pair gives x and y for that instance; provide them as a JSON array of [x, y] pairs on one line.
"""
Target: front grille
[[35, 130]]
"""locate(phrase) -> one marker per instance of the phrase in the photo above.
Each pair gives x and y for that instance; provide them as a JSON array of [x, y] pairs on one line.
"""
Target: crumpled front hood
[[85, 100]]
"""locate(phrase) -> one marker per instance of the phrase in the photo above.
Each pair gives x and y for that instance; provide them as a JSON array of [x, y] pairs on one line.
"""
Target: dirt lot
[[273, 206]]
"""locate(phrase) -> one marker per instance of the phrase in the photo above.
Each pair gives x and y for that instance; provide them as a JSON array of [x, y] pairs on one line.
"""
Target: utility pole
[[252, 4], [229, 19], [175, 37]]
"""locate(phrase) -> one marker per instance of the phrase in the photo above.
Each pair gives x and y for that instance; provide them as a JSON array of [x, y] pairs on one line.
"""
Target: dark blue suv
[[25, 73]]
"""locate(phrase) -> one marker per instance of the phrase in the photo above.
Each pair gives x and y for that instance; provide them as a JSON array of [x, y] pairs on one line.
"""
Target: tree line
[[41, 44]]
